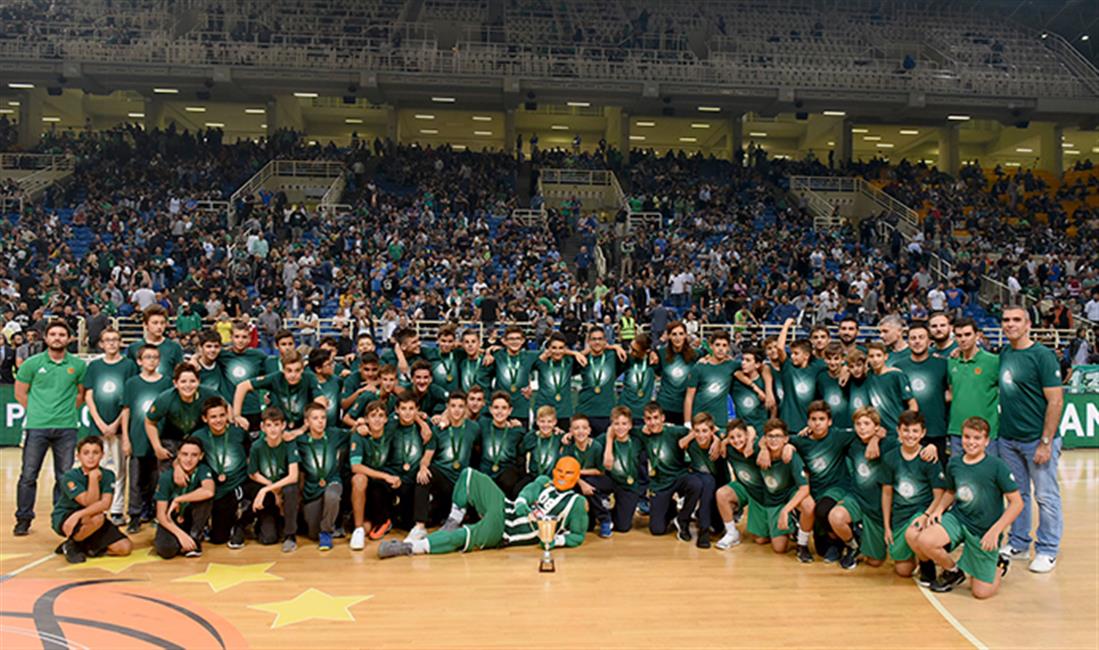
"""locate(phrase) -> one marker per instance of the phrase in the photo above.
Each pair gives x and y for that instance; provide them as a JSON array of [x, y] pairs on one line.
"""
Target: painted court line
[[29, 566], [950, 619]]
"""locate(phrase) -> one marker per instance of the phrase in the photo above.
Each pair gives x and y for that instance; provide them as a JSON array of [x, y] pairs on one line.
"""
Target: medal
[[652, 472], [558, 398], [457, 465], [514, 388], [321, 482], [598, 389], [406, 467], [597, 366], [629, 480], [495, 468], [221, 478], [641, 393], [450, 378]]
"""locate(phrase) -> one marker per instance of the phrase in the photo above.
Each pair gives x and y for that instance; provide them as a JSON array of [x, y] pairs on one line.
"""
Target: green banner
[[11, 426], [1080, 420]]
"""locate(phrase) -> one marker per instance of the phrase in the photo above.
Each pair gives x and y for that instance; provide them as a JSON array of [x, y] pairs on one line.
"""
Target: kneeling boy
[[86, 493]]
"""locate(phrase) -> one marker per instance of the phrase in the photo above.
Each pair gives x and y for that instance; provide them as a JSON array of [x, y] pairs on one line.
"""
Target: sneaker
[[451, 524], [850, 558], [72, 552], [804, 555], [339, 533], [729, 540], [1003, 564], [393, 548], [290, 544], [1043, 564], [60, 550], [236, 538], [117, 519], [1014, 553], [379, 531], [605, 529], [134, 527], [325, 542], [417, 533], [22, 527], [358, 539], [947, 581], [703, 540], [196, 552], [643, 507], [926, 576], [682, 533], [832, 554]]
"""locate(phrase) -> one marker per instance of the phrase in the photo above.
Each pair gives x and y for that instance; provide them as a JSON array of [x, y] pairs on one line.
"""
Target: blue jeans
[[993, 448], [1019, 457], [63, 444]]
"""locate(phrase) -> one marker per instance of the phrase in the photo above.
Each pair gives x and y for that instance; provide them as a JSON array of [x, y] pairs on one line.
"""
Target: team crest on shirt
[[919, 385], [802, 388], [677, 372], [109, 387], [771, 482], [744, 475], [819, 464], [147, 406], [863, 470], [906, 489], [239, 372], [713, 388], [749, 402], [977, 370], [965, 493], [834, 400], [72, 371], [72, 486], [1006, 377]]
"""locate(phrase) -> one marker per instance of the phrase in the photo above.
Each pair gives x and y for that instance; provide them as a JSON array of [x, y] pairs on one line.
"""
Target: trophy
[[547, 529]]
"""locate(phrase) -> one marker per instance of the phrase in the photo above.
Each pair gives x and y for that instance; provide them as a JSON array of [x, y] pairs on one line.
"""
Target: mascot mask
[[566, 473]]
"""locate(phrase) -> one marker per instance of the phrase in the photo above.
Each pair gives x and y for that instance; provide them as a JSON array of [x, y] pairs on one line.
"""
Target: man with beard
[[940, 327], [849, 335]]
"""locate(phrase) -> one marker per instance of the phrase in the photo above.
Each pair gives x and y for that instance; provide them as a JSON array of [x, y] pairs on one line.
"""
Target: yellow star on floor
[[224, 576], [113, 564], [311, 604]]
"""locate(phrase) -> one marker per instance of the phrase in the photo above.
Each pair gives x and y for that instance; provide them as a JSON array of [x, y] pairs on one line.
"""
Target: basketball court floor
[[630, 591]]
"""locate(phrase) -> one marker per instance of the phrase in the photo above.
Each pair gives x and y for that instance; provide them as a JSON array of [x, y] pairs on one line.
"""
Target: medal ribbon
[[320, 464]]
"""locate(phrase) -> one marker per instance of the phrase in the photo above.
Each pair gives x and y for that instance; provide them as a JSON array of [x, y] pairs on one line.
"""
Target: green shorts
[[975, 561], [900, 551], [872, 541], [853, 509], [775, 527], [757, 517], [835, 493]]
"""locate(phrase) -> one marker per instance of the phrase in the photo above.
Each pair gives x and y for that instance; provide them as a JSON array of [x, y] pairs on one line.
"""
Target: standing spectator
[[49, 385], [310, 326], [187, 321], [269, 323], [95, 322], [1078, 350], [1091, 309], [30, 347], [7, 360], [658, 320], [1031, 399]]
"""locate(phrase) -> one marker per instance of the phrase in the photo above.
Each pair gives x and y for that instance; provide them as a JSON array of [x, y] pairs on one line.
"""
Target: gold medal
[[221, 478], [450, 377], [652, 472], [598, 389], [496, 468], [457, 465], [406, 467], [641, 393], [321, 482], [514, 388], [558, 398], [629, 480]]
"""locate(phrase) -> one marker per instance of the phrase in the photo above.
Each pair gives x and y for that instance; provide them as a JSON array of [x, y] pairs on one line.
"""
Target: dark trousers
[[62, 442], [269, 519], [143, 474], [662, 506], [320, 513], [379, 501], [413, 500], [673, 417], [195, 518], [707, 506], [941, 446], [625, 504], [225, 515], [597, 506], [510, 481], [441, 489]]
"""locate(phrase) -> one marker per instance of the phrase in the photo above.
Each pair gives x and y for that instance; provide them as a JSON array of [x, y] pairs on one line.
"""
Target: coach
[[49, 385], [1031, 400]]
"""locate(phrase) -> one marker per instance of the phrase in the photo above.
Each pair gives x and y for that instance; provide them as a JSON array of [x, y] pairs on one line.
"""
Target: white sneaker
[[358, 539], [417, 533], [729, 540], [1043, 564], [1013, 553]]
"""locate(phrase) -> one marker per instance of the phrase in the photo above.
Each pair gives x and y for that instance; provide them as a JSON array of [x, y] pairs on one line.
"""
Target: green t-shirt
[[53, 387], [929, 380], [107, 381], [638, 380], [187, 323], [171, 354], [225, 457], [626, 468], [712, 383], [889, 393], [746, 472], [166, 488], [238, 367], [913, 481], [499, 447], [432, 401], [826, 459], [370, 451], [667, 462], [543, 452], [866, 475], [858, 392], [673, 381], [292, 400], [838, 398], [511, 374], [454, 448], [73, 483], [748, 405], [1023, 375], [272, 462], [406, 449], [979, 491], [445, 370], [330, 390], [975, 391], [554, 386], [782, 480], [471, 372], [139, 397], [178, 419], [321, 459], [590, 458], [799, 387], [597, 381], [212, 379], [701, 463]]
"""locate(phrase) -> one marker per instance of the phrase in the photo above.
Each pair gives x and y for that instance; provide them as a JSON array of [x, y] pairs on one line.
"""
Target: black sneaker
[[832, 554], [22, 527], [703, 540], [850, 558], [339, 533], [947, 581], [1003, 563], [72, 552], [805, 556], [197, 551], [135, 526], [926, 575], [681, 533], [236, 538]]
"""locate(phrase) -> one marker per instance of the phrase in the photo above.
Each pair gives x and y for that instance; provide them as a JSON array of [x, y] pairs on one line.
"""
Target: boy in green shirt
[[210, 375], [974, 387], [290, 389], [555, 367], [976, 486], [80, 514], [750, 390], [928, 376], [372, 487], [622, 463], [710, 382], [499, 442], [240, 363], [155, 319], [597, 380], [744, 490], [703, 449], [887, 387], [176, 413], [183, 503], [321, 452], [512, 367], [271, 493], [140, 393], [430, 398], [455, 437], [542, 445], [593, 484], [798, 378], [411, 448], [668, 475], [833, 385], [322, 362], [104, 393], [227, 459], [786, 500]]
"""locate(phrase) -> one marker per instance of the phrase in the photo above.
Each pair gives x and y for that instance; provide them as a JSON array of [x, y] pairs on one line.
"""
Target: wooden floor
[[630, 591]]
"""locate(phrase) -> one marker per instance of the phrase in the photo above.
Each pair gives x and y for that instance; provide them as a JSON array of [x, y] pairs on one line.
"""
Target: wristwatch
[[1046, 441]]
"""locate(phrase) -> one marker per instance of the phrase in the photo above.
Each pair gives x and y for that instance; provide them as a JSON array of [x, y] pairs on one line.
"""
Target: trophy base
[[546, 566]]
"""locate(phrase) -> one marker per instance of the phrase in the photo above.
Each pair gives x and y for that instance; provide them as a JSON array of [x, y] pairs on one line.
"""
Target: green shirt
[[979, 491], [292, 400], [638, 380], [838, 398], [272, 462], [166, 488], [406, 449], [1023, 376], [107, 381], [499, 447], [666, 460], [889, 392], [187, 323], [543, 452], [799, 387], [433, 401], [748, 405], [178, 419], [913, 481], [225, 457], [746, 472], [712, 382], [320, 460], [52, 390], [370, 451], [701, 463], [444, 370], [866, 475], [590, 458], [330, 390], [139, 397], [238, 367], [782, 480], [626, 468], [975, 391], [212, 379], [597, 381], [673, 381], [454, 448], [554, 386], [929, 380], [512, 375], [73, 483], [471, 372], [826, 459], [171, 354]]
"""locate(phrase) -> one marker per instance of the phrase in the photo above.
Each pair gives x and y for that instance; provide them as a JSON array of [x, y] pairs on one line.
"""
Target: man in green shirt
[[1031, 401], [668, 475], [273, 482], [187, 321], [597, 380], [50, 388], [106, 382], [80, 514], [888, 388], [513, 366], [939, 328], [928, 376], [710, 382], [227, 459], [241, 363], [140, 393], [155, 319], [183, 503], [290, 389], [974, 387], [176, 413]]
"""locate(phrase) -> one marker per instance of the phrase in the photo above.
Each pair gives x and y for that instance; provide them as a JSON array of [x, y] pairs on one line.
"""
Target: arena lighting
[[710, 109], [166, 91], [1084, 37], [423, 116], [352, 120], [256, 111], [306, 95], [443, 100], [834, 113], [18, 85], [1095, 149], [1072, 152], [646, 123], [6, 111], [871, 138], [757, 134], [215, 125], [884, 145], [700, 125], [909, 132], [559, 127], [957, 118], [13, 103], [688, 139], [831, 143], [195, 109], [139, 115], [1013, 164], [1024, 150], [429, 131], [458, 147], [484, 133], [860, 130], [640, 138], [51, 119], [263, 126], [482, 118], [578, 104]]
